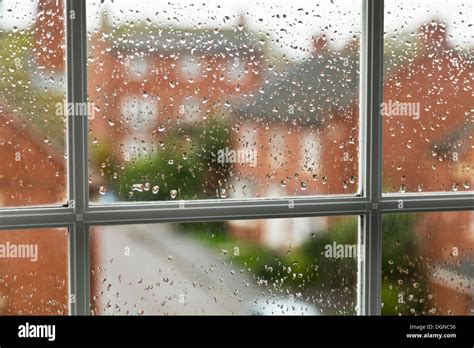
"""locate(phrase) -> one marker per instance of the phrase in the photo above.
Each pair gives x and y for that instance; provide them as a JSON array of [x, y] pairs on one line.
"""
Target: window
[[33, 264], [191, 110], [139, 113], [236, 70], [425, 267], [265, 158], [190, 68], [310, 150], [278, 266], [215, 75], [137, 67], [427, 90], [33, 105]]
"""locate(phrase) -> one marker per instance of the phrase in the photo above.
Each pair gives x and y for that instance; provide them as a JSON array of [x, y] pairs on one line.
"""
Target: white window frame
[[78, 214]]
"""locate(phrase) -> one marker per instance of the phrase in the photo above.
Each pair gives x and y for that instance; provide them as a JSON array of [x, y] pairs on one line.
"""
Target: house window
[[277, 150], [190, 67], [236, 69], [310, 150], [376, 249], [138, 113], [191, 110], [137, 67]]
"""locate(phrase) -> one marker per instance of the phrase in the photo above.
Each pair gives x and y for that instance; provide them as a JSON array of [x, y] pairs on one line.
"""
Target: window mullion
[[371, 97], [77, 150]]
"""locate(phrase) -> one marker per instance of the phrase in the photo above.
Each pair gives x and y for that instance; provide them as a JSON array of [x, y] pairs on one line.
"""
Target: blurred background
[[233, 100]]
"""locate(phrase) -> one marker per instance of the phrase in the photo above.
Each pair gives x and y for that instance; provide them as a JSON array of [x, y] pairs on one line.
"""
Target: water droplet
[[103, 190], [173, 194], [304, 185], [138, 187], [155, 189]]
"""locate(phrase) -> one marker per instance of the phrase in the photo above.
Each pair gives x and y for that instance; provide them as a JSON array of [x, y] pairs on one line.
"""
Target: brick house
[[143, 79], [431, 152], [441, 141], [304, 129]]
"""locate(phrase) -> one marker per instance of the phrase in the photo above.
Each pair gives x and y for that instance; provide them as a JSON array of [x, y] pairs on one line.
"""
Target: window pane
[[261, 267], [428, 263], [427, 104], [33, 272], [223, 99], [32, 100]]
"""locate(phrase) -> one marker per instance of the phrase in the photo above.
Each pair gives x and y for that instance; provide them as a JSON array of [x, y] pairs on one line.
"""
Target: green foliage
[[185, 163], [404, 274], [28, 103], [310, 270]]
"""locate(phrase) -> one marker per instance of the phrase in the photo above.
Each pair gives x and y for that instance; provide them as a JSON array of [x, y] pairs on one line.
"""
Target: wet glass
[[32, 103], [428, 264], [301, 266], [223, 99], [427, 110], [34, 272]]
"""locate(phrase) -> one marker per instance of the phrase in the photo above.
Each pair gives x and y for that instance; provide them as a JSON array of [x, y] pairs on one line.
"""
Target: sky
[[293, 22]]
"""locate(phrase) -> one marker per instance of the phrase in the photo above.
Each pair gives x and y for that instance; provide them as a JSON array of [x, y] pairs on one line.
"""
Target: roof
[[454, 139], [322, 85], [172, 40], [458, 277]]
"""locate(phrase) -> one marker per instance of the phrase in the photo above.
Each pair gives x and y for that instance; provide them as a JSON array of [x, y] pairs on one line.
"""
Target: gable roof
[[170, 40], [323, 85]]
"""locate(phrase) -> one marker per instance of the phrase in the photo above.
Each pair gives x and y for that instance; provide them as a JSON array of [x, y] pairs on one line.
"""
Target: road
[[152, 269]]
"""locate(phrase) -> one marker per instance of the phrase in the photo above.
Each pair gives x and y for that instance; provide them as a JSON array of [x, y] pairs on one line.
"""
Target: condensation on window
[[217, 74], [301, 266]]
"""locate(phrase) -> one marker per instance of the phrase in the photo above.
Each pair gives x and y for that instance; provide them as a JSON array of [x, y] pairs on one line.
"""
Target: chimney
[[49, 35], [432, 36], [319, 43], [242, 21]]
